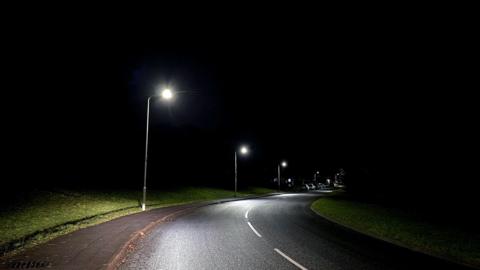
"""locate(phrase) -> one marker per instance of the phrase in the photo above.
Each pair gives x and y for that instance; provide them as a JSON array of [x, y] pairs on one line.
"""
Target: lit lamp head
[[243, 150], [284, 164], [166, 94]]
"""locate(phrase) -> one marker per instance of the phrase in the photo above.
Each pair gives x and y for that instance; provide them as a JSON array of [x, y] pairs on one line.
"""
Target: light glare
[[284, 164]]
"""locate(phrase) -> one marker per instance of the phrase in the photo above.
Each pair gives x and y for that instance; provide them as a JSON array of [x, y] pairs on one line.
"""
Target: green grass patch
[[46, 214], [406, 228]]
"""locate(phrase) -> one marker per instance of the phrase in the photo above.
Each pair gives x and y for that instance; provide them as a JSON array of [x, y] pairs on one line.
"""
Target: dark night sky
[[392, 101]]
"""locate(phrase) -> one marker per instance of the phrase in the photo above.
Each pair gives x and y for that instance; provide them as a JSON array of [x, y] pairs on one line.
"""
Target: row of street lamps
[[244, 150], [167, 95]]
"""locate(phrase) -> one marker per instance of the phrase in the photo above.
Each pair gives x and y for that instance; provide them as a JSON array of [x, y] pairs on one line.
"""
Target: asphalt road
[[277, 232]]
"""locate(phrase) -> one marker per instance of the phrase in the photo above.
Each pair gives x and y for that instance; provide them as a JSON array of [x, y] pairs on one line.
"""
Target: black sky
[[386, 99]]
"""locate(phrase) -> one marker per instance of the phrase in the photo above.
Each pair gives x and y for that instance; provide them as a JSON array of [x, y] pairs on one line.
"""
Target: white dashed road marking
[[253, 229], [290, 259], [276, 249]]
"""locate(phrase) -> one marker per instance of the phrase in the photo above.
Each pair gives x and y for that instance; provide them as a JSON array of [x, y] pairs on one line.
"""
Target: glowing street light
[[243, 151], [167, 95], [282, 164]]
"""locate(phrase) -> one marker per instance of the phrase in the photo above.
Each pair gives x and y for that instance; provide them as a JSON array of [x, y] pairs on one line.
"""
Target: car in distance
[[305, 187]]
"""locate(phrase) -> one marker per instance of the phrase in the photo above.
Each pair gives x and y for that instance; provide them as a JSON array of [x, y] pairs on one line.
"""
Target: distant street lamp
[[282, 164], [243, 151], [167, 95], [315, 176]]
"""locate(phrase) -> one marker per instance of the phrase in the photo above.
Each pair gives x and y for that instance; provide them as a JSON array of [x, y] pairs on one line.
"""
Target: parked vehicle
[[305, 187], [322, 186]]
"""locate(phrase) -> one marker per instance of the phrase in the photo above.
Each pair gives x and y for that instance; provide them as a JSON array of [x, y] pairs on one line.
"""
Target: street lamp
[[167, 95], [315, 176], [243, 151], [282, 164]]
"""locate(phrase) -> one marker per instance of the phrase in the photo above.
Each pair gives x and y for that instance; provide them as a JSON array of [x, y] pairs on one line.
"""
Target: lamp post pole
[[281, 164], [243, 151], [235, 174], [166, 94], [146, 156], [279, 178]]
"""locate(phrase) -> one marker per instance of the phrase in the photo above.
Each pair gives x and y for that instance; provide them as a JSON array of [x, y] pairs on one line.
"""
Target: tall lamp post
[[167, 95], [315, 176], [282, 164], [243, 151]]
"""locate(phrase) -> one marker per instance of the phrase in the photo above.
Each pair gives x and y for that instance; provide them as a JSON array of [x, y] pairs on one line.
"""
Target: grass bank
[[404, 228], [49, 214]]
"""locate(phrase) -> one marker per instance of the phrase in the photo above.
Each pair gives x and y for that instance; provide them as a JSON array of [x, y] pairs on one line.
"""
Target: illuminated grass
[[50, 214], [404, 228]]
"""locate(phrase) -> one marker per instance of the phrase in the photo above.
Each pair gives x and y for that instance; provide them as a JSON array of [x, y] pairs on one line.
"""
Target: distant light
[[284, 164], [244, 150], [167, 94], [318, 172], [289, 180]]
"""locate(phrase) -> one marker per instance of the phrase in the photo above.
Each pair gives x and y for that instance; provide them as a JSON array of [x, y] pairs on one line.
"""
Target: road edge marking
[[121, 254], [290, 259], [246, 214], [253, 229]]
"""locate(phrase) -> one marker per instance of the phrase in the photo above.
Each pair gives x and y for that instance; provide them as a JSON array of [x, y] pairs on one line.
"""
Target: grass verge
[[47, 214], [403, 228]]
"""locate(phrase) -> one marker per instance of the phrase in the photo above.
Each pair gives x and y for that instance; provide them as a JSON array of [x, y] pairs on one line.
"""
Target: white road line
[[253, 229], [290, 259], [246, 214]]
